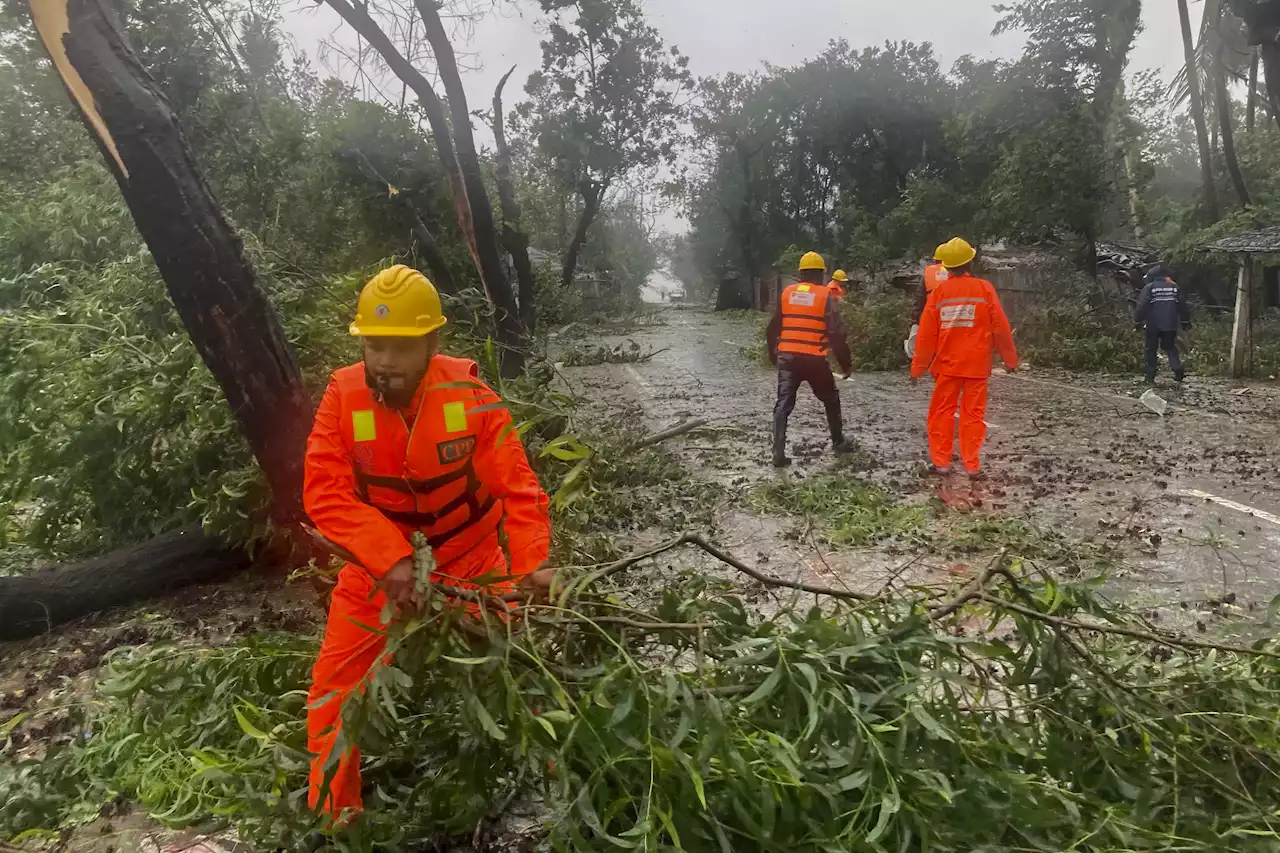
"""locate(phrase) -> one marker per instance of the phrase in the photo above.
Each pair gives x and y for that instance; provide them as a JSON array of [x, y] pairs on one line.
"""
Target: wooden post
[[1241, 339]]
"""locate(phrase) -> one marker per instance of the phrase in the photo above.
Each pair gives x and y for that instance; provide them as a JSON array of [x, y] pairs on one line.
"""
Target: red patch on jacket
[[456, 450]]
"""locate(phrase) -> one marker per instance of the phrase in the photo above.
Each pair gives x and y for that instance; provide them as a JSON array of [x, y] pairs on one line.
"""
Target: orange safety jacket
[[836, 289], [804, 320], [372, 480], [962, 323]]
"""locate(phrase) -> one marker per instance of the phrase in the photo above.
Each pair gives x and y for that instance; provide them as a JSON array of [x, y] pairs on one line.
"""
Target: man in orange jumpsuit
[[961, 325], [839, 279], [933, 274], [407, 440]]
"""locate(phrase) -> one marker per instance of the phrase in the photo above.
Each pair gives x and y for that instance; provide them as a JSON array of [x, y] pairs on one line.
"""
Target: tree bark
[[1251, 109], [1223, 102], [509, 334], [592, 192], [1262, 19], [199, 255], [38, 602], [513, 236], [1197, 114]]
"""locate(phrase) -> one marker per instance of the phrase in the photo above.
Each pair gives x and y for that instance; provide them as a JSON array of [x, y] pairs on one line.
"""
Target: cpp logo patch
[[363, 454], [456, 450], [382, 311]]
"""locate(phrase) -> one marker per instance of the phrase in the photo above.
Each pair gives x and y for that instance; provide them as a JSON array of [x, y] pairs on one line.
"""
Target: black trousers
[[1167, 341], [794, 371]]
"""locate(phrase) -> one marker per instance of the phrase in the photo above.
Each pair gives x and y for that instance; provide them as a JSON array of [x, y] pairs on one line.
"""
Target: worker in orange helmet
[[839, 279], [802, 334], [962, 324], [933, 274], [407, 440]]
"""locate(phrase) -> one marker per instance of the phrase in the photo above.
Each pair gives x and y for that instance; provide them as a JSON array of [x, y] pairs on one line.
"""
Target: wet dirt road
[[1192, 498]]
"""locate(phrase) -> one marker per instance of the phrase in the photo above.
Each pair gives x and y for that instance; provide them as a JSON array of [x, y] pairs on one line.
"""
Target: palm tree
[[1197, 113]]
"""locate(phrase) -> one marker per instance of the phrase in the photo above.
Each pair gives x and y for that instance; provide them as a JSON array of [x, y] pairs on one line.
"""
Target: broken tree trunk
[[512, 333], [514, 239], [478, 231], [200, 257], [38, 602], [592, 194]]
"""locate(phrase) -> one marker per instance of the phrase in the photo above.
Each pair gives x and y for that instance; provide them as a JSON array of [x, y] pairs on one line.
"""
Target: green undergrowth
[[847, 726], [849, 511], [877, 323], [606, 488], [844, 510]]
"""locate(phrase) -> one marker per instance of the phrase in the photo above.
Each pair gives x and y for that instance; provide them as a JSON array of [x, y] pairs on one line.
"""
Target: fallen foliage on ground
[[1019, 713]]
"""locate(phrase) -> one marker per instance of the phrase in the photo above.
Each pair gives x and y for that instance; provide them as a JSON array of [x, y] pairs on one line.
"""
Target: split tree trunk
[[514, 239], [512, 333], [36, 603], [215, 291], [200, 257], [1262, 20], [1198, 115], [475, 217], [592, 193]]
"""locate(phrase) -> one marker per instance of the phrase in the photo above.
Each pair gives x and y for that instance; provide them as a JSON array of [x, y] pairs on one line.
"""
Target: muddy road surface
[[1190, 500]]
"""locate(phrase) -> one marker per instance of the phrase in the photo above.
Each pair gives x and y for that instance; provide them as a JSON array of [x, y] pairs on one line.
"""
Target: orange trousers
[[971, 396], [346, 655]]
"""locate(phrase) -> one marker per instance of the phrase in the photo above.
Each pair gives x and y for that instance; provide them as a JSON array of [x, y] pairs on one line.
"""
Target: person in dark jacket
[[1162, 308], [802, 333]]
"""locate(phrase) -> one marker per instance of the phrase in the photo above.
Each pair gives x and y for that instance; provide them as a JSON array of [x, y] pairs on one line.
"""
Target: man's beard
[[395, 392]]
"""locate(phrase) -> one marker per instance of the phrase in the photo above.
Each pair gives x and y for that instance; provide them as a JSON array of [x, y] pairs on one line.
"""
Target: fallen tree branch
[[728, 559], [677, 430], [1160, 639]]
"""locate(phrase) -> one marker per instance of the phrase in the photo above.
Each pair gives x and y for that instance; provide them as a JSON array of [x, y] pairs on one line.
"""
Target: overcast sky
[[742, 35]]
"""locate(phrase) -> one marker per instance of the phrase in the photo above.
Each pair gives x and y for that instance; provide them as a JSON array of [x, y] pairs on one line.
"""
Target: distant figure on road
[[839, 279], [803, 331], [1162, 308], [933, 274], [963, 322]]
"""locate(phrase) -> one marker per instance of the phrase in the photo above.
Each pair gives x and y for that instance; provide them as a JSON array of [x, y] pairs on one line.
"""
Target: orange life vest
[[804, 320], [934, 274], [836, 288], [422, 478]]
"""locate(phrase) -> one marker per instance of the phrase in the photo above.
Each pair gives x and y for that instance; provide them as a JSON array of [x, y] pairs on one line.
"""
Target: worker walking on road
[[1162, 308], [839, 279], [407, 440], [933, 274], [962, 324], [802, 333]]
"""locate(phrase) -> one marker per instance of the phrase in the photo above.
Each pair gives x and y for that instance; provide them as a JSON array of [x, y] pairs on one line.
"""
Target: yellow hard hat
[[812, 261], [398, 302], [937, 253], [840, 275], [956, 253]]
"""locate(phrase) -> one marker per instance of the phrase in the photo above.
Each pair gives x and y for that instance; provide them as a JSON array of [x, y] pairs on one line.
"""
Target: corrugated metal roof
[[1263, 242]]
